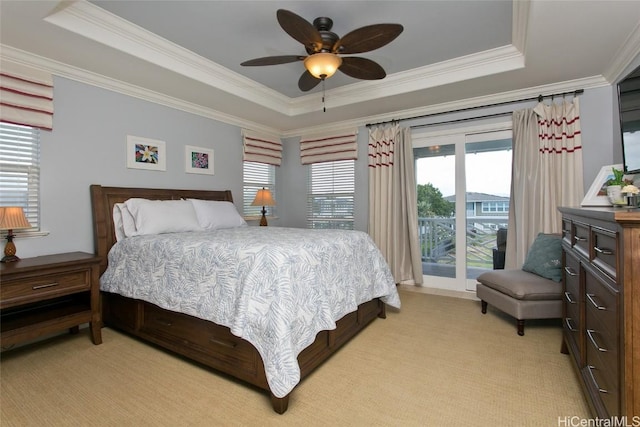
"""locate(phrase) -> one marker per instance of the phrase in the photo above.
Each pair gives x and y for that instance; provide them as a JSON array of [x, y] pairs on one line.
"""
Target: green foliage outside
[[431, 203]]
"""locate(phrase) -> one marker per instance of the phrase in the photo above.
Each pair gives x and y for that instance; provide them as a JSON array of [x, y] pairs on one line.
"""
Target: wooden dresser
[[601, 257]]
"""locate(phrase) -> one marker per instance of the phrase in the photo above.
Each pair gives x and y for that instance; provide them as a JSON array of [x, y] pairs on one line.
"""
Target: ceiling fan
[[325, 48]]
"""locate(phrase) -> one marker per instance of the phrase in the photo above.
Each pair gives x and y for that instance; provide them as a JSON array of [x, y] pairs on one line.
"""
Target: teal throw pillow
[[545, 257]]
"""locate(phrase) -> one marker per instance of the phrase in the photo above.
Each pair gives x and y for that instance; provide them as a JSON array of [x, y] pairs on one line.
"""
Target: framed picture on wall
[[198, 160], [145, 153], [597, 194]]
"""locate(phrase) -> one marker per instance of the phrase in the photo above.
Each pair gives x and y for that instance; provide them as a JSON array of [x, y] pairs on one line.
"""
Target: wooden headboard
[[104, 198]]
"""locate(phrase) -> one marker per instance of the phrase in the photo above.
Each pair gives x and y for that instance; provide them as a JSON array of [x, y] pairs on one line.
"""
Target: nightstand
[[46, 294]]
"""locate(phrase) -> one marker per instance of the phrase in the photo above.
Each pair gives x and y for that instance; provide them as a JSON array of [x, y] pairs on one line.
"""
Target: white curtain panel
[[393, 206], [546, 173], [561, 154]]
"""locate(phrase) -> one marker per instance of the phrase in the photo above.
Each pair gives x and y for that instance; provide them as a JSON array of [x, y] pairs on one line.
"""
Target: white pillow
[[128, 222], [214, 214], [117, 222], [162, 216]]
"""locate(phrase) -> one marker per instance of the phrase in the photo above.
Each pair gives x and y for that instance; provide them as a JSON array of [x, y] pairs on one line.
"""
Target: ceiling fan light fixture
[[322, 65]]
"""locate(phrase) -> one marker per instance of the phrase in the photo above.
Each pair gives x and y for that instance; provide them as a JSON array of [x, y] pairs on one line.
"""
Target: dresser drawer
[[600, 384], [602, 350], [605, 250], [581, 238], [38, 288], [217, 343], [601, 302]]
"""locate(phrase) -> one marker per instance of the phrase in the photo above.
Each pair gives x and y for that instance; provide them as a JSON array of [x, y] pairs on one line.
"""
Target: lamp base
[[263, 220], [10, 249]]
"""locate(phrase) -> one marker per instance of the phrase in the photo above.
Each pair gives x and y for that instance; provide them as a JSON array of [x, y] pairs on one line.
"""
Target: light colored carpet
[[437, 362]]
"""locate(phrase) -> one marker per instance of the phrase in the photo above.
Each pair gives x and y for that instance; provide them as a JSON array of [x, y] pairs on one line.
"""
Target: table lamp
[[263, 198], [12, 218]]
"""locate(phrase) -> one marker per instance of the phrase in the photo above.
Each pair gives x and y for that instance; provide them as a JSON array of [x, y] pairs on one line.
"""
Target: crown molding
[[83, 76], [520, 24], [90, 21], [624, 56], [493, 61], [59, 69], [95, 23], [511, 96]]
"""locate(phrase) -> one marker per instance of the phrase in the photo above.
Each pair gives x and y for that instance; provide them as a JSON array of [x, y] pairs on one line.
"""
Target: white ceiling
[[186, 54]]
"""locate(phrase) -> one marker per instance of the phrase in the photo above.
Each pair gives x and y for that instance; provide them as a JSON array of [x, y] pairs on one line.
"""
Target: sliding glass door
[[463, 179]]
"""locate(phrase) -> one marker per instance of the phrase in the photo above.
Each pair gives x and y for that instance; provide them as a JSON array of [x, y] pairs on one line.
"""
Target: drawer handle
[[48, 285], [568, 322], [570, 300], [229, 344], [603, 251], [579, 239], [570, 271], [594, 303], [590, 369], [593, 341]]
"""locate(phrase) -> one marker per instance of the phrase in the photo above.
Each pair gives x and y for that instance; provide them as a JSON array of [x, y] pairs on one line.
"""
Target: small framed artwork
[[597, 194], [145, 153], [198, 160]]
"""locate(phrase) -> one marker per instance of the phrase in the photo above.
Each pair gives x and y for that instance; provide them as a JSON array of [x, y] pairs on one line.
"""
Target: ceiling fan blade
[[273, 60], [362, 68], [367, 38], [307, 81], [300, 29]]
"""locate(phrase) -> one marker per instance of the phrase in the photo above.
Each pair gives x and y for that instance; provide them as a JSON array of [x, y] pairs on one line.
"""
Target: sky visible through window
[[486, 172]]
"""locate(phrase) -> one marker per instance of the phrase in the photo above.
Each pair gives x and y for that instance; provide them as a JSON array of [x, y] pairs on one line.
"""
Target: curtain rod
[[539, 98]]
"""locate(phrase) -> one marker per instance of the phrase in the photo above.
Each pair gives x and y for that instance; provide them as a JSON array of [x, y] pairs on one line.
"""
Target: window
[[20, 170], [255, 176], [330, 200], [490, 207], [470, 167]]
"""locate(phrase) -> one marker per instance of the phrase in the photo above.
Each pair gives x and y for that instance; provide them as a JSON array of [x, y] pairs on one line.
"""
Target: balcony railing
[[438, 241]]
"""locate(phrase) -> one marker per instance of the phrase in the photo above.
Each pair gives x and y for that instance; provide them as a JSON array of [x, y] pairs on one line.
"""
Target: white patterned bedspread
[[275, 287]]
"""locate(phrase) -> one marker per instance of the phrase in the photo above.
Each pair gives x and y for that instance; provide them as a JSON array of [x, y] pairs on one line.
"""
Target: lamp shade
[[322, 65], [12, 218], [263, 198]]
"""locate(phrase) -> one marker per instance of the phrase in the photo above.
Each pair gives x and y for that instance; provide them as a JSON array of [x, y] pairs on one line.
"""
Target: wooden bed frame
[[201, 340]]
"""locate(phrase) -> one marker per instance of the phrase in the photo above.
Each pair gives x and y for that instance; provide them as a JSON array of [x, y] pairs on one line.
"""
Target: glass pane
[[435, 177], [488, 183]]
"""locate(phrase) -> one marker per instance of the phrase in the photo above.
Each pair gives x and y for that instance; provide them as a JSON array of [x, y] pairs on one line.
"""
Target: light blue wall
[[87, 146]]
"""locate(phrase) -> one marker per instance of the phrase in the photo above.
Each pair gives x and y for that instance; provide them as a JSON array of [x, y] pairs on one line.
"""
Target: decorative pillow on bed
[[545, 257], [162, 216], [214, 214]]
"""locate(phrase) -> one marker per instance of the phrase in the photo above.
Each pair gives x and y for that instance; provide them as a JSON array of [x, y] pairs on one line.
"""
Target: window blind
[[330, 202], [20, 170], [26, 96], [255, 177]]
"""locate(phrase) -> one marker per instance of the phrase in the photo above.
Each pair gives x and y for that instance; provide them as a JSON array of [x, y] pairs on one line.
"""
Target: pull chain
[[324, 108]]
